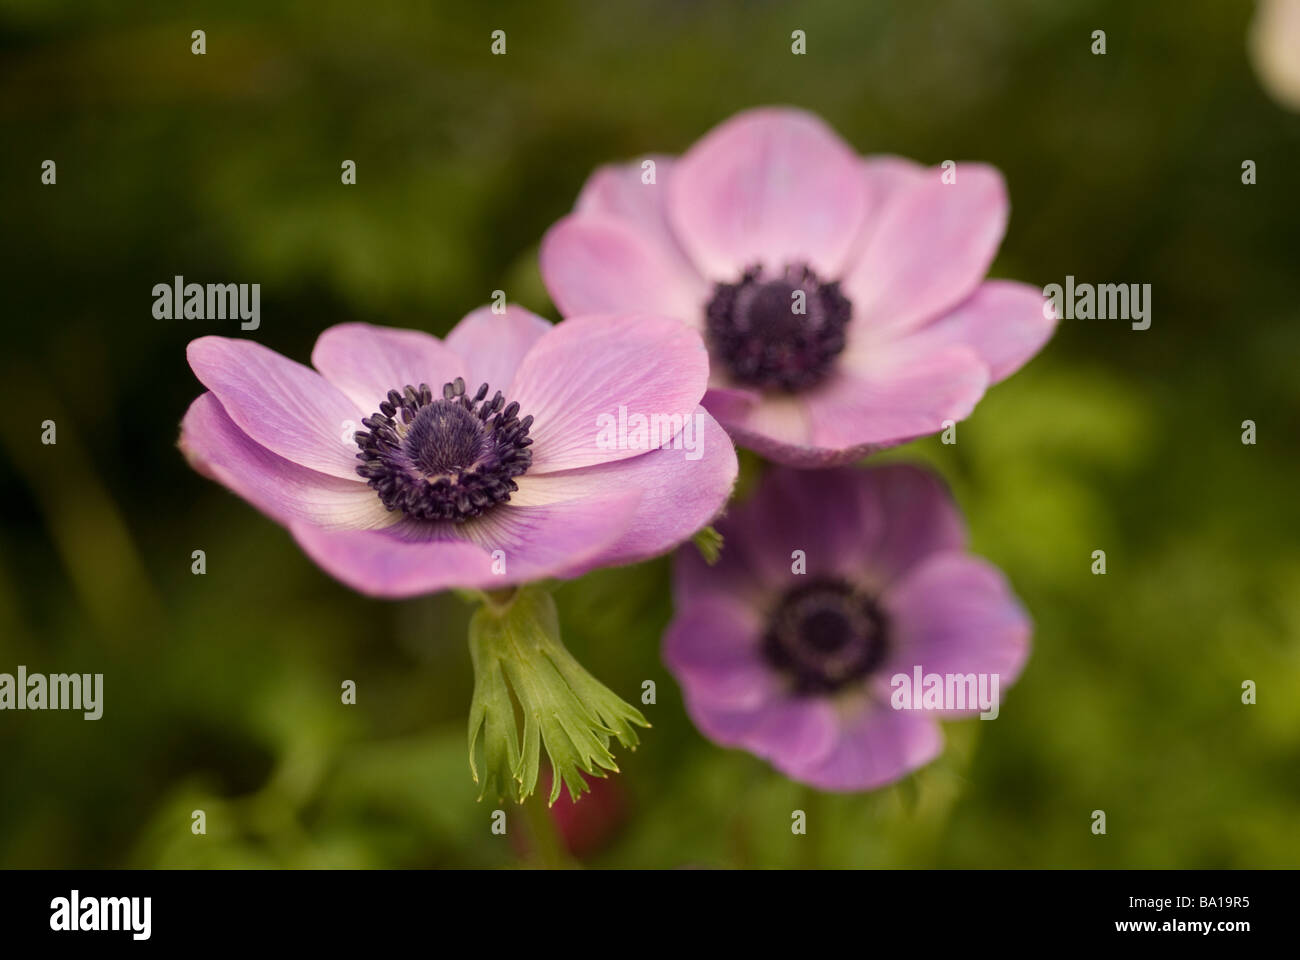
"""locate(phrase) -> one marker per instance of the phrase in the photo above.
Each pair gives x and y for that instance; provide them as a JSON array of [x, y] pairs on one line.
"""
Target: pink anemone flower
[[843, 300], [833, 585], [404, 464]]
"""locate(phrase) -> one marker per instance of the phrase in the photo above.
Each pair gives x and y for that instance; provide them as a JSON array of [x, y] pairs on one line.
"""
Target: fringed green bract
[[709, 542], [523, 671]]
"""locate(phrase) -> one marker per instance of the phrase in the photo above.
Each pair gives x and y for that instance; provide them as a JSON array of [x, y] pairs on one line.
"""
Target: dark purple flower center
[[824, 635], [447, 459], [778, 331]]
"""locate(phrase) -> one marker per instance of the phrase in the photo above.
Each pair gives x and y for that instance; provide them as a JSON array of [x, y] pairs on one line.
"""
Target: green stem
[[499, 600], [814, 808], [544, 835]]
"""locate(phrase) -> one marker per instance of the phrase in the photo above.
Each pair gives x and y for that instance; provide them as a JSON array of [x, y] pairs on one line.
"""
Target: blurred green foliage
[[222, 691]]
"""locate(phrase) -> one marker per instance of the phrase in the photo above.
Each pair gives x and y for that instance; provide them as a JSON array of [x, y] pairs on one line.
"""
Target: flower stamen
[[825, 635], [777, 332], [451, 458]]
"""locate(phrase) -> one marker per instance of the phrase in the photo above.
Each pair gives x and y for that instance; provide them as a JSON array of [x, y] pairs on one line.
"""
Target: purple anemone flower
[[842, 298], [803, 668], [403, 464]]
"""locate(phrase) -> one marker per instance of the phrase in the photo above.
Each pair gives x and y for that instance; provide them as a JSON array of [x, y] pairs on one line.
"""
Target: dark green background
[[222, 691]]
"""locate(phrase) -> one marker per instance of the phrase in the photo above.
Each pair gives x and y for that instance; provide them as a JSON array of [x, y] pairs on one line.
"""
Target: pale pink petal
[[775, 425], [366, 361], [886, 176], [876, 745], [769, 186], [956, 614], [598, 264], [507, 546], [733, 576], [713, 648], [900, 394], [821, 518], [797, 731], [491, 345], [585, 368], [730, 404], [380, 563], [918, 520], [1003, 321], [685, 484], [783, 730], [285, 491], [620, 192], [559, 539], [930, 246], [286, 407], [883, 522], [726, 725]]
